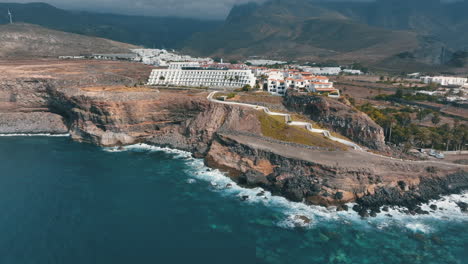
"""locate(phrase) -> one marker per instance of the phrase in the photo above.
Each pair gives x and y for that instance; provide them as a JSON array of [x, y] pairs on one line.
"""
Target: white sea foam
[[35, 135], [419, 227], [295, 213]]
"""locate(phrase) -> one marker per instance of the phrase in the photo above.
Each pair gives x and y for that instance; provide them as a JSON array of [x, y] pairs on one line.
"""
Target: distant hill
[[299, 29], [26, 40], [158, 32]]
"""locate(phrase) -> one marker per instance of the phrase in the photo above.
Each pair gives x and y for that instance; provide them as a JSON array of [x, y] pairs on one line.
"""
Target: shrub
[[246, 88]]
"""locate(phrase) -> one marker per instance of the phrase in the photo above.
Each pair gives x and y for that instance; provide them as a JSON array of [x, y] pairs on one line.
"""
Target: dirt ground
[[71, 69]]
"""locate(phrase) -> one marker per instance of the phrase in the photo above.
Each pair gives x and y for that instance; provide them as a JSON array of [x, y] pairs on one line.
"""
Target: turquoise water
[[65, 202]]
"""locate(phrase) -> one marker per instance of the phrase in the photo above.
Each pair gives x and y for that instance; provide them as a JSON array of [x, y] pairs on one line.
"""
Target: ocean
[[67, 202]]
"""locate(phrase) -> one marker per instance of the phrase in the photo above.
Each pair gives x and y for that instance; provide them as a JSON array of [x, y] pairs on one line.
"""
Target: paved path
[[288, 120]]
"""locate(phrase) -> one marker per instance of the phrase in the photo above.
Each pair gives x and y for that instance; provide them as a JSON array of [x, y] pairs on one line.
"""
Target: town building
[[123, 56], [445, 81], [162, 58], [202, 77], [183, 64], [352, 72], [261, 62], [323, 71], [279, 81]]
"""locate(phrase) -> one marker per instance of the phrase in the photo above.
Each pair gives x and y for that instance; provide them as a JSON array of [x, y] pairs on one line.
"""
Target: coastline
[[227, 137]]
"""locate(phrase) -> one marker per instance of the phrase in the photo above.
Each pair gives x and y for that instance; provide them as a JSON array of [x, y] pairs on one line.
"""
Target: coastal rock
[[463, 206], [32, 123], [337, 116]]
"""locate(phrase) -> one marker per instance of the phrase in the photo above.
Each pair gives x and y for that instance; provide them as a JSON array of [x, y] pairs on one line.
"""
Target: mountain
[[385, 34], [25, 40], [446, 21], [158, 32], [299, 29]]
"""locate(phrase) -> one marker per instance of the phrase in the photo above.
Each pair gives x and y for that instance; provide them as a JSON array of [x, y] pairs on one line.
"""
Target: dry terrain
[[32, 41]]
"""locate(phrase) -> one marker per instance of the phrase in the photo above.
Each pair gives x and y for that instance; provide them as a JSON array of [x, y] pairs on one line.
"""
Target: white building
[[277, 86], [161, 57], [445, 81], [183, 64], [352, 72], [261, 62], [202, 78], [279, 81], [324, 70]]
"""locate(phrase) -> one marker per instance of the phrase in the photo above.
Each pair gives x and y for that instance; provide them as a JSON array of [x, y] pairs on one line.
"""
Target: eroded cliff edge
[[228, 137]]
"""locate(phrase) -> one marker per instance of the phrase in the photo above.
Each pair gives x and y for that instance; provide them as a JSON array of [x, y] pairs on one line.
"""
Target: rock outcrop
[[339, 117], [328, 178]]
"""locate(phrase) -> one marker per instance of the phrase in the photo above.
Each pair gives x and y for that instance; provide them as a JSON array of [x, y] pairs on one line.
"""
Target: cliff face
[[118, 115], [227, 137], [327, 178], [339, 117]]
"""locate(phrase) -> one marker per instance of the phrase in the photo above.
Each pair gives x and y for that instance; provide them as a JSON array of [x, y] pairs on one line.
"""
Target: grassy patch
[[276, 128]]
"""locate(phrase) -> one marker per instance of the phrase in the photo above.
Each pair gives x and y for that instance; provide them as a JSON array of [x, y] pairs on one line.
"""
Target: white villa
[[203, 77], [445, 81], [279, 82]]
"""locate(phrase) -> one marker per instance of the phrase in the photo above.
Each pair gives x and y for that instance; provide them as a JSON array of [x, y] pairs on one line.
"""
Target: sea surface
[[66, 202]]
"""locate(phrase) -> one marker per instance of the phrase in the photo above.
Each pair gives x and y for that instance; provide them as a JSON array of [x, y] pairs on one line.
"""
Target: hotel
[[202, 77]]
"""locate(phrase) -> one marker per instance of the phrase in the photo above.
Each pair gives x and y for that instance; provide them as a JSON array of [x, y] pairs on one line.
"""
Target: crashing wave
[[307, 216]]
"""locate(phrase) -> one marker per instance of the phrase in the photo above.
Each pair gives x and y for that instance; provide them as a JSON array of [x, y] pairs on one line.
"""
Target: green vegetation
[[276, 128], [400, 94], [400, 130], [231, 95], [246, 88]]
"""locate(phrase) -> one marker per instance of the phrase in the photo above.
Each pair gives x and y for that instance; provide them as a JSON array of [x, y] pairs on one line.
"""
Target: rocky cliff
[[339, 117], [98, 111]]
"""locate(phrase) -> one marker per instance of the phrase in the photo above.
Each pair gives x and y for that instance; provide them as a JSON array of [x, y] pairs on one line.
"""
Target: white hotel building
[[201, 77], [445, 81]]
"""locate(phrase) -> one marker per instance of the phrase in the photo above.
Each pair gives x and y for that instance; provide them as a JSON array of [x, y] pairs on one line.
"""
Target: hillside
[[299, 29], [158, 32], [25, 40], [444, 20]]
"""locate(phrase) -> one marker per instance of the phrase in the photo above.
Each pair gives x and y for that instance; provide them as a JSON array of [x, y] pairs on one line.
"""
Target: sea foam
[[295, 213]]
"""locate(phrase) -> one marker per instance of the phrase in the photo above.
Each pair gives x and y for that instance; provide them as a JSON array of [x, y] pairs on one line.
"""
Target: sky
[[206, 9]]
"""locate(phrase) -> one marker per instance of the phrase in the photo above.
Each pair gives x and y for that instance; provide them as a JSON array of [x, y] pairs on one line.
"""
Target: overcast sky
[[208, 9]]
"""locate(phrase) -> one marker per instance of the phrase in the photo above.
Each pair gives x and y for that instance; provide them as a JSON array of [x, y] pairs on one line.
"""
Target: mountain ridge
[[343, 32], [22, 40], [151, 32]]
